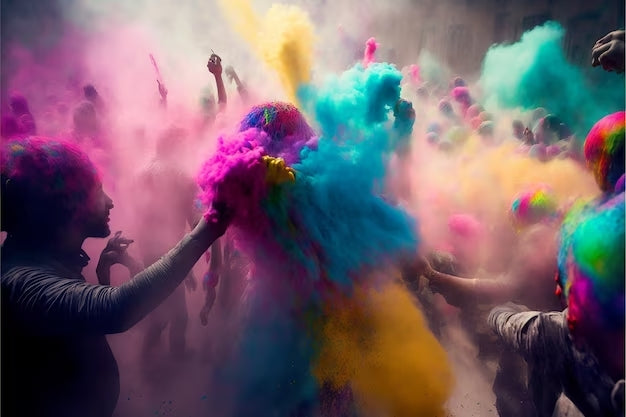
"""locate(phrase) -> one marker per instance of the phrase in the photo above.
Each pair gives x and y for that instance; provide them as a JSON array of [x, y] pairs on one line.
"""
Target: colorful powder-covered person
[[580, 350], [55, 357], [530, 276], [528, 280], [604, 151], [165, 203], [21, 112]]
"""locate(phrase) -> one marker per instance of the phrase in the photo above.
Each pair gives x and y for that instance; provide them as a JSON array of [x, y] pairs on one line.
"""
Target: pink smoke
[[370, 50], [414, 74]]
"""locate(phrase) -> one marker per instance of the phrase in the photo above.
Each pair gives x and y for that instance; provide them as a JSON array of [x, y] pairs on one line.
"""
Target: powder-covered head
[[287, 130], [550, 129], [45, 183], [446, 108], [90, 92], [458, 82], [474, 110], [462, 96], [591, 267], [604, 150], [432, 137], [465, 226], [458, 135], [533, 206]]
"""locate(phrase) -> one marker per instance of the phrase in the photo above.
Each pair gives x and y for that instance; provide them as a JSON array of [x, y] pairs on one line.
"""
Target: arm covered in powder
[[459, 291], [54, 305], [530, 333]]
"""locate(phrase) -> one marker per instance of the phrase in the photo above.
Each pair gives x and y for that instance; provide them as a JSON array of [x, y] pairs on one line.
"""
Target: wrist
[[103, 265]]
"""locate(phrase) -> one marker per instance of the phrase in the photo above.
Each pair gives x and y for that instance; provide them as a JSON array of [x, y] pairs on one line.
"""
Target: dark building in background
[[459, 32]]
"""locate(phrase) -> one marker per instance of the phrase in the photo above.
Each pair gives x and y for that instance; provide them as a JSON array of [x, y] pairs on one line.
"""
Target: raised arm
[[460, 291], [53, 305], [215, 67], [233, 77]]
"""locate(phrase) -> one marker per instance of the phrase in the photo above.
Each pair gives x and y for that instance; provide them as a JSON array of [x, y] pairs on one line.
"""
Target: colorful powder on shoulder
[[370, 50], [533, 206], [604, 150]]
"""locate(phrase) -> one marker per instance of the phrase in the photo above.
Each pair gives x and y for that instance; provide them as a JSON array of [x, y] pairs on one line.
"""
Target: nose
[[108, 201]]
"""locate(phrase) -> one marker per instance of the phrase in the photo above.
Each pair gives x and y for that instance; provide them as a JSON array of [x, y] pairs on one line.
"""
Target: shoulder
[[30, 281]]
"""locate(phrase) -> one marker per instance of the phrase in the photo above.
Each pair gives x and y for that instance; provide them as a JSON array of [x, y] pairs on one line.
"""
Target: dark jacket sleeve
[[45, 303]]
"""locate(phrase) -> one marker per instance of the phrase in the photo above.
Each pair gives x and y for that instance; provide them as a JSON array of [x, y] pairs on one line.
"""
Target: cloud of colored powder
[[283, 38], [377, 342], [534, 72]]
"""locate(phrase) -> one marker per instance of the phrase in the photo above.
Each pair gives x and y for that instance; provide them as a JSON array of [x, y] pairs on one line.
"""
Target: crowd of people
[[556, 354]]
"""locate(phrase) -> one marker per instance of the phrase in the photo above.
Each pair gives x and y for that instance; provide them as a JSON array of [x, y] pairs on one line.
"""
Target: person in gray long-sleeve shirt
[[556, 363], [55, 358], [580, 350]]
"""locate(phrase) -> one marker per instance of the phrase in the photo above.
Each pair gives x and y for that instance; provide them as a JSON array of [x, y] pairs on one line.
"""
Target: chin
[[100, 232]]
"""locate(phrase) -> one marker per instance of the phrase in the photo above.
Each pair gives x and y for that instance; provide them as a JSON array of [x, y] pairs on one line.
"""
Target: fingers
[[597, 52], [604, 39], [118, 242]]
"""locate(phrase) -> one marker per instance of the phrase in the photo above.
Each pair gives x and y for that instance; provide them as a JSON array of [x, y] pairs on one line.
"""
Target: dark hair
[[90, 92], [44, 183]]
